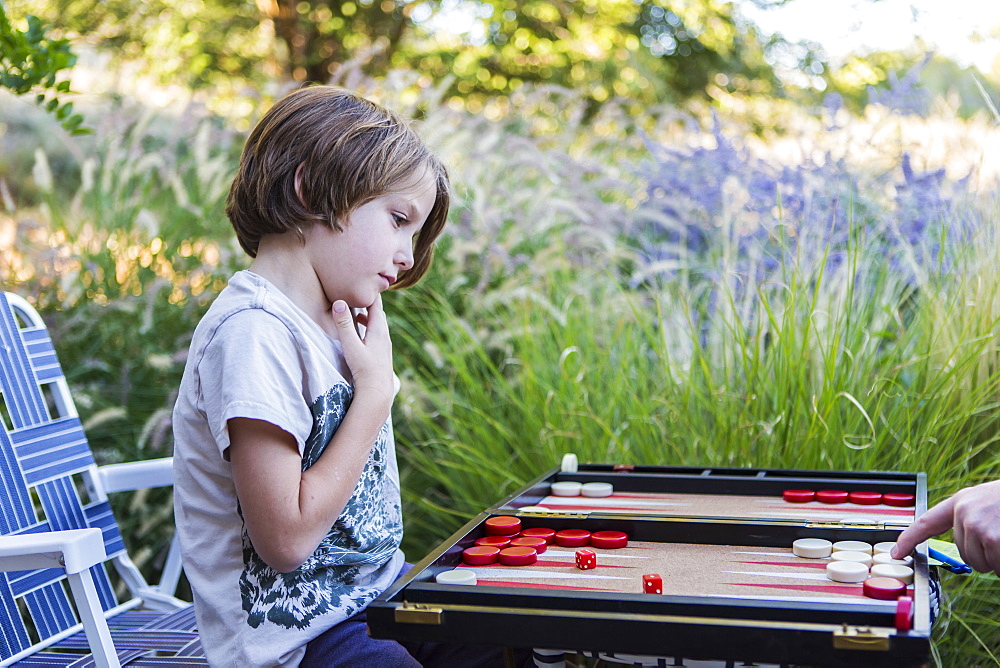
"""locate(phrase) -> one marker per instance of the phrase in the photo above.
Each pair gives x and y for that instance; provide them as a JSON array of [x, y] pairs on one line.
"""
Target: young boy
[[286, 487]]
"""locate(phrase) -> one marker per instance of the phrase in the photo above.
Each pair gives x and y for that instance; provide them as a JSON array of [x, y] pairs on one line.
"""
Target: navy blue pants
[[348, 645]]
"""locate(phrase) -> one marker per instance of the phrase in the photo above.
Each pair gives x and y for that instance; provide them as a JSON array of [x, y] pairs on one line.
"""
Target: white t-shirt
[[256, 355]]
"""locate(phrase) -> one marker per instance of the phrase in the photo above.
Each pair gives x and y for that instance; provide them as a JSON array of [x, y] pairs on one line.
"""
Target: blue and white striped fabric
[[42, 448]]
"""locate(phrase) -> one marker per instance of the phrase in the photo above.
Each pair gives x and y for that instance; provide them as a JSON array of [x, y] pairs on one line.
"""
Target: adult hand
[[370, 356], [974, 514]]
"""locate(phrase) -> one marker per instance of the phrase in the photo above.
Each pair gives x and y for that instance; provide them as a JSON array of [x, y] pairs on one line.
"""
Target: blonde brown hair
[[347, 151]]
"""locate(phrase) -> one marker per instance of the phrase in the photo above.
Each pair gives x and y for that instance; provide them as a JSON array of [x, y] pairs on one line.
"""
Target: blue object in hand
[[953, 565]]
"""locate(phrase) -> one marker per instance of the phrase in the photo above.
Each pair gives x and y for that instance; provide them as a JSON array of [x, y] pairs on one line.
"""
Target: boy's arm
[[288, 511]]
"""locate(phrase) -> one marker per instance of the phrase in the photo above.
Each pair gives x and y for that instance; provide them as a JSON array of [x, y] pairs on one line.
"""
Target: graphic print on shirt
[[366, 535]]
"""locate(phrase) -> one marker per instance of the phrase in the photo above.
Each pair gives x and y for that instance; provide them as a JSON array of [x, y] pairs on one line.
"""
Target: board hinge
[[418, 613], [553, 514], [844, 525], [861, 638]]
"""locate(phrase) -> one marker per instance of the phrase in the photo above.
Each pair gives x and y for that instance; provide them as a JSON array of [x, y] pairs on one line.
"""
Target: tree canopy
[[31, 62], [644, 50]]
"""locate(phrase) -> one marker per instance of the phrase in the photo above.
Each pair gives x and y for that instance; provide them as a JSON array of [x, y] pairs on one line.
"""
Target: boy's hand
[[369, 358], [974, 514]]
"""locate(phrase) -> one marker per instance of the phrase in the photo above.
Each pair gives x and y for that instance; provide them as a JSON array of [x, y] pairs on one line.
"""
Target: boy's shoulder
[[252, 312], [249, 295], [248, 305]]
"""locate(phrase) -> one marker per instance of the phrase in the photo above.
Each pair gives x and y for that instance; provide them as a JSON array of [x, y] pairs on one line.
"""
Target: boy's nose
[[404, 258]]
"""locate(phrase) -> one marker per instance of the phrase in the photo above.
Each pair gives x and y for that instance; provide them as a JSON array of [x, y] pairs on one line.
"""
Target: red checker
[[480, 555], [865, 498], [832, 496], [538, 544], [573, 538], [518, 556], [904, 614], [586, 559], [899, 500], [609, 539], [502, 525], [884, 589], [494, 541], [798, 495], [623, 468], [539, 532], [652, 583]]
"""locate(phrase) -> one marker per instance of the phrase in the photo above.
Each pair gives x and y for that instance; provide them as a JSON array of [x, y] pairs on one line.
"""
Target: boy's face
[[375, 246]]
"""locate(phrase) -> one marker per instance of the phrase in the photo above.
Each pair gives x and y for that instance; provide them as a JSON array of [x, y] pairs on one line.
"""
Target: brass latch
[[861, 637], [553, 514], [418, 613]]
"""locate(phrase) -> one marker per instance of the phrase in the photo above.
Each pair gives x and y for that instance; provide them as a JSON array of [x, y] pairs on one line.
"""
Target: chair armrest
[[74, 550], [137, 475]]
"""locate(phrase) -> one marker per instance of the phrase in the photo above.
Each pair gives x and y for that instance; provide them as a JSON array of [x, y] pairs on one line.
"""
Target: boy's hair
[[348, 151]]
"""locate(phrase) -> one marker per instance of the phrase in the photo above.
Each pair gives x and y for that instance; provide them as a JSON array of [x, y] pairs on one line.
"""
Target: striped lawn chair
[[57, 534]]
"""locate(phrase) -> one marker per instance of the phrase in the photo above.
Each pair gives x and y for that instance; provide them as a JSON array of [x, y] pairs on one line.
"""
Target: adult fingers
[[935, 521], [971, 549]]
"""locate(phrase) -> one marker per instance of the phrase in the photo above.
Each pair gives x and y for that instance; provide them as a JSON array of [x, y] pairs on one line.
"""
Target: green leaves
[[30, 61]]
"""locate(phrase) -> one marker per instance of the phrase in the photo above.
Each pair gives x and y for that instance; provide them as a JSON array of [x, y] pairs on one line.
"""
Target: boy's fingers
[[375, 310], [344, 319], [934, 522], [375, 320]]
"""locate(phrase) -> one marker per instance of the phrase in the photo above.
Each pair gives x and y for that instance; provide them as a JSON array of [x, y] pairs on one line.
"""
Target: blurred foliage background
[[676, 239]]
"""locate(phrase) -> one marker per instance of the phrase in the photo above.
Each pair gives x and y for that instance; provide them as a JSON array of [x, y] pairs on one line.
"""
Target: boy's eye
[[399, 219]]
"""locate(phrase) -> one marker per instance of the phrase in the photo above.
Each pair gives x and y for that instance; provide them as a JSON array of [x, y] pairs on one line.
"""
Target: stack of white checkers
[[855, 561], [591, 489]]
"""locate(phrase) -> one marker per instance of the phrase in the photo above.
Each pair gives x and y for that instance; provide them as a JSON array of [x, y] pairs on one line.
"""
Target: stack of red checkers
[[865, 498], [480, 555], [798, 495], [883, 589], [518, 556], [538, 544], [502, 525], [572, 538], [494, 541], [897, 499], [548, 534], [609, 539], [832, 496], [904, 613]]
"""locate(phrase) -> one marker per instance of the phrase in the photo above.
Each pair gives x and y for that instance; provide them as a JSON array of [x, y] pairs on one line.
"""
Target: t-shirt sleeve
[[252, 369]]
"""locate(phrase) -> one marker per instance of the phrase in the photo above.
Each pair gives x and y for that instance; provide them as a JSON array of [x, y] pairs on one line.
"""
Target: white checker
[[846, 571], [852, 546], [566, 488], [597, 489], [856, 557], [812, 548], [456, 576], [886, 558], [881, 548], [569, 463], [902, 573]]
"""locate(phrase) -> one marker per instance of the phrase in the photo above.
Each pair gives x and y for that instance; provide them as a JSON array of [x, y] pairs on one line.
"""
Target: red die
[[586, 559], [652, 584]]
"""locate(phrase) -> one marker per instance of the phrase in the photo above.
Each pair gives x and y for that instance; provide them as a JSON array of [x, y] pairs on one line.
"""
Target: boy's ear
[[298, 183]]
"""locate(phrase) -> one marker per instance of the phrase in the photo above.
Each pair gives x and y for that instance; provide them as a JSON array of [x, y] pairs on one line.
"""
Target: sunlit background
[[688, 232]]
